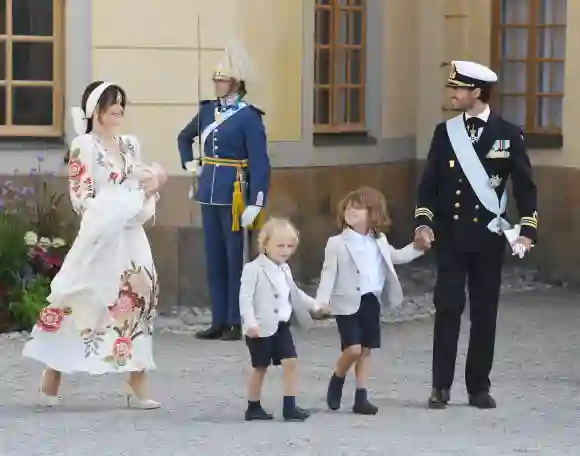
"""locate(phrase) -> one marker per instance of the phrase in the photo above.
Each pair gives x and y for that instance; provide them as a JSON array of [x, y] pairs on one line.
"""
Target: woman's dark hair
[[108, 98]]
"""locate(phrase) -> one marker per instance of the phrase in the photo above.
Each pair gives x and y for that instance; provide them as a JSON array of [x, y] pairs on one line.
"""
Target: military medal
[[473, 134], [495, 181]]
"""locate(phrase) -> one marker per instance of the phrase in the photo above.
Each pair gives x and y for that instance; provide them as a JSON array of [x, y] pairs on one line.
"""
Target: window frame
[[333, 47], [531, 94], [36, 131]]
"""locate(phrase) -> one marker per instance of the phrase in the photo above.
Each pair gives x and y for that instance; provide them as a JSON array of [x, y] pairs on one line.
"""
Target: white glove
[[249, 215], [194, 167]]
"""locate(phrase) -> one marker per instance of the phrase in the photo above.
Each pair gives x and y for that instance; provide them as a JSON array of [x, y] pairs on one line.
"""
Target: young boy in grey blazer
[[357, 276], [269, 297]]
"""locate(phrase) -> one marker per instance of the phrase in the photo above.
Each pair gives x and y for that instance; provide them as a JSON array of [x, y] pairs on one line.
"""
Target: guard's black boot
[[233, 332], [255, 412], [482, 401], [439, 399], [362, 406], [211, 333], [334, 393]]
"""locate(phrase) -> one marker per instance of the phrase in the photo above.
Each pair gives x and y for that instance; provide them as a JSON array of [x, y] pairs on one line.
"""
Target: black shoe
[[439, 399], [296, 414], [362, 406], [258, 414], [211, 333], [334, 393], [482, 401], [233, 332]]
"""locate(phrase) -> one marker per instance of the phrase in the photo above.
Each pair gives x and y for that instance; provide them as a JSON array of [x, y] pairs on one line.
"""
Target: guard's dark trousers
[[481, 270]]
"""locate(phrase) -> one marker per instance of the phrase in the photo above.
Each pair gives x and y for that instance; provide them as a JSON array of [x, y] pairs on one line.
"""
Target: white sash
[[216, 123], [476, 173]]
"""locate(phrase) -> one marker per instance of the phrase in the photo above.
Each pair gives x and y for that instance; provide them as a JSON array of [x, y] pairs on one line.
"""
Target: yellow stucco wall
[[155, 58]]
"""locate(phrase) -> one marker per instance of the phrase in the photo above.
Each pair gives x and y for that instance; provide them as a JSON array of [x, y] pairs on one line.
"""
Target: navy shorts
[[363, 327], [265, 351]]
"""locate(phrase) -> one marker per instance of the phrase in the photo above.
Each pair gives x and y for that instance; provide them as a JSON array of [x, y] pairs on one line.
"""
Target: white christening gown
[[103, 300]]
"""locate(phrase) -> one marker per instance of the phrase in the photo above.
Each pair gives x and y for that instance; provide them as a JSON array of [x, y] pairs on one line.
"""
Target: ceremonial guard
[[232, 178], [461, 207]]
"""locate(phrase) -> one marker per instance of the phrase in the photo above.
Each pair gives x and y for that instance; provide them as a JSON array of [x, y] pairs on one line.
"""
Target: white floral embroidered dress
[[103, 301]]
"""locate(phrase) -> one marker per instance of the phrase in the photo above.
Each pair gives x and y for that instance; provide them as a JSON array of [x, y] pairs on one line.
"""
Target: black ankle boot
[[255, 412], [291, 412], [482, 401], [334, 393], [362, 406]]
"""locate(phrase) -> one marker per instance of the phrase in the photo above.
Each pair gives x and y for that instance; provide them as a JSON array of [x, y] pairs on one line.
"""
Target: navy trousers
[[224, 263]]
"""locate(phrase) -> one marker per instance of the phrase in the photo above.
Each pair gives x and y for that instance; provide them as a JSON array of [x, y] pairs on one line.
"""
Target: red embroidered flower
[[75, 169], [113, 176], [50, 319]]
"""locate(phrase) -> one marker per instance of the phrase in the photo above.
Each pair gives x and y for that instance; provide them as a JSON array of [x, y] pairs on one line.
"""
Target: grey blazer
[[259, 298], [339, 281]]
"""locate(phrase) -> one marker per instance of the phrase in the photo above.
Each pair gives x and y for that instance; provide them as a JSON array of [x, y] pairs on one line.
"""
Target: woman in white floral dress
[[103, 301]]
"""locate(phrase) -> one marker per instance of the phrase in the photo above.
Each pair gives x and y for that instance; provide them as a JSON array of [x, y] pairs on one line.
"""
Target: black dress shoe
[[482, 401], [258, 414], [439, 399], [211, 333], [233, 332], [296, 414]]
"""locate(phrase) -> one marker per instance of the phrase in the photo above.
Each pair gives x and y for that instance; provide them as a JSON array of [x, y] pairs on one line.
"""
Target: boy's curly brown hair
[[373, 201]]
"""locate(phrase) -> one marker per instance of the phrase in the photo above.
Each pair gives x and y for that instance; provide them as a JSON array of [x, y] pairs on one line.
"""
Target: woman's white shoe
[[133, 401], [44, 399]]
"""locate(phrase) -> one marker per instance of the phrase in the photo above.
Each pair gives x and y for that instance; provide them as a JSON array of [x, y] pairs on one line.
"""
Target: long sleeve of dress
[[80, 173]]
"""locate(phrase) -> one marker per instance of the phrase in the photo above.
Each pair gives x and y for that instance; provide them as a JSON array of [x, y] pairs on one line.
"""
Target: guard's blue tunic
[[236, 142]]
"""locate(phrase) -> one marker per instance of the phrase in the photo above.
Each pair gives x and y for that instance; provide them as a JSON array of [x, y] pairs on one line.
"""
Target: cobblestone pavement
[[536, 378]]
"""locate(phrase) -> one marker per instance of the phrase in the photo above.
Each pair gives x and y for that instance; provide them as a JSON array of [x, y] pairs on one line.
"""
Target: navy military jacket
[[447, 202], [240, 137]]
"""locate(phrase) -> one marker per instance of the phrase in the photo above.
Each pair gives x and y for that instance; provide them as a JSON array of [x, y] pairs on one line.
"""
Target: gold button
[[458, 192], [475, 219], [457, 204], [477, 206], [456, 217]]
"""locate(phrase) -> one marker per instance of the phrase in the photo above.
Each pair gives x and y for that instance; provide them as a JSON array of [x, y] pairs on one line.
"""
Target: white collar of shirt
[[352, 233], [483, 115]]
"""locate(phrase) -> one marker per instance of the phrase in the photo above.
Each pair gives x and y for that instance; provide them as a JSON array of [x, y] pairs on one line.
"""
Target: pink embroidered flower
[[113, 176], [123, 305], [50, 319], [122, 350]]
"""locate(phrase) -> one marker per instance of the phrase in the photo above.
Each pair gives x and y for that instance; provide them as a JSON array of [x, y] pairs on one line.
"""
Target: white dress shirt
[[370, 260], [281, 283]]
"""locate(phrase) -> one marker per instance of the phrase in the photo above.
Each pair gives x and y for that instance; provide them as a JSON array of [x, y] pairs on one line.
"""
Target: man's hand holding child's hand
[[253, 332]]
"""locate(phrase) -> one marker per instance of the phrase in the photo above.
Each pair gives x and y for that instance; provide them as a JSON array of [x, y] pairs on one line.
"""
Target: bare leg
[[290, 411], [255, 382], [347, 358], [361, 368], [255, 412], [361, 402], [51, 382]]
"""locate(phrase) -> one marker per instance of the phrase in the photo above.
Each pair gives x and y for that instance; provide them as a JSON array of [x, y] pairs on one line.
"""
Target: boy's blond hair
[[273, 225]]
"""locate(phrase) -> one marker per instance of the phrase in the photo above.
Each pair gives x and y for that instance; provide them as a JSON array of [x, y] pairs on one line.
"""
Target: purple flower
[[40, 158], [1, 203]]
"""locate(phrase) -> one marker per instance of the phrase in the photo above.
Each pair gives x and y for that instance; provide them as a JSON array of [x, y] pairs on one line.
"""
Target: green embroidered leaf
[[75, 153]]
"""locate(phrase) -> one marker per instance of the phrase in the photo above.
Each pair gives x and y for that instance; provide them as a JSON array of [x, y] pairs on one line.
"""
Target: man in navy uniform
[[233, 174], [461, 208]]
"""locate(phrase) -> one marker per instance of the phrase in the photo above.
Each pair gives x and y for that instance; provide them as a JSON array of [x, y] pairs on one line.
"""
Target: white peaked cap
[[470, 75]]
